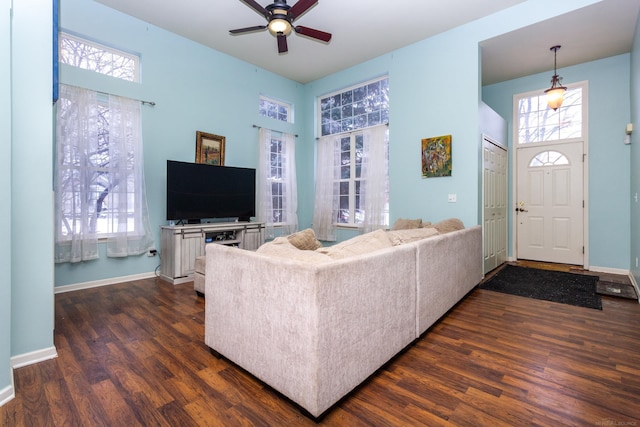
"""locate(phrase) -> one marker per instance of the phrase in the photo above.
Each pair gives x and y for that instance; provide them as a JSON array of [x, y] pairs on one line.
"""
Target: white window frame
[[272, 102], [99, 47], [583, 86], [353, 182], [370, 109]]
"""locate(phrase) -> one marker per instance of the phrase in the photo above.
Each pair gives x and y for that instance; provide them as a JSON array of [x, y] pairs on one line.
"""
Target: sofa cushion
[[283, 248], [405, 224], [358, 245], [398, 237], [448, 225], [305, 240]]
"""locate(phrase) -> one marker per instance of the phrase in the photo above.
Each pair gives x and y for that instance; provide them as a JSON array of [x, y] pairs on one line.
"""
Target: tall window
[[92, 56], [99, 180], [539, 123], [275, 109], [277, 187], [352, 185]]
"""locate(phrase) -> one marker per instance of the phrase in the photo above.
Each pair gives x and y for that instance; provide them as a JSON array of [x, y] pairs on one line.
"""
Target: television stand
[[182, 244]]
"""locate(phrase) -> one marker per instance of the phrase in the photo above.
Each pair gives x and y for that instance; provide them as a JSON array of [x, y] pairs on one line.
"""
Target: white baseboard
[[9, 392], [33, 357], [635, 285], [620, 271], [104, 282]]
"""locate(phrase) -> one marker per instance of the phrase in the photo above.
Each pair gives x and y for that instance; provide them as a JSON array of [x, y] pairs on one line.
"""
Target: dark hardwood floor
[[133, 354]]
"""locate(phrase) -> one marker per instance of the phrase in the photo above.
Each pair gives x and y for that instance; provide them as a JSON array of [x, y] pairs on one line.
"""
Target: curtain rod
[[143, 102], [273, 130], [349, 132]]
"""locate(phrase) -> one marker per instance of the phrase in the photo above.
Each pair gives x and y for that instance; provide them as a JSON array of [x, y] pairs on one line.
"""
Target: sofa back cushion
[[283, 248], [358, 245], [398, 237]]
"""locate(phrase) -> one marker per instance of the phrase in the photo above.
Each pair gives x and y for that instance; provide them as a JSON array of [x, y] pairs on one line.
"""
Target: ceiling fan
[[280, 17]]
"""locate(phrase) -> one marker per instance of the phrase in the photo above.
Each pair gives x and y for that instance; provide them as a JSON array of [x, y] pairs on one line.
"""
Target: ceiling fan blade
[[301, 7], [248, 29], [255, 6], [282, 43], [316, 34]]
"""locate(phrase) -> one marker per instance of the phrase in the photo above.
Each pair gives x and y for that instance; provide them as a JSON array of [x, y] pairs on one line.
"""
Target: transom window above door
[[539, 123]]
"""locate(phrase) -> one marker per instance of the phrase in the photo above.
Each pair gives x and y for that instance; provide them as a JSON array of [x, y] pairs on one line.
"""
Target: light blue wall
[[31, 169], [195, 89], [635, 155], [609, 172], [5, 194], [434, 90]]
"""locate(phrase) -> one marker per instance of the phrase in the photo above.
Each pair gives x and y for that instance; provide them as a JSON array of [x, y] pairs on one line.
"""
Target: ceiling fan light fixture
[[555, 94], [279, 25]]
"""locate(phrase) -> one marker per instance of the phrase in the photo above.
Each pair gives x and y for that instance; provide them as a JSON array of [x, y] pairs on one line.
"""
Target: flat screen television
[[199, 191]]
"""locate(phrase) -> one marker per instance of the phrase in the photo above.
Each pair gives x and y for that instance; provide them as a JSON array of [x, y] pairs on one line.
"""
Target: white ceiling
[[598, 31]]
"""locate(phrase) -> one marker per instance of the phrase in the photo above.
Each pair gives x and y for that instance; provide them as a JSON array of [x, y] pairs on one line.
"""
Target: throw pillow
[[305, 240], [448, 225], [406, 224]]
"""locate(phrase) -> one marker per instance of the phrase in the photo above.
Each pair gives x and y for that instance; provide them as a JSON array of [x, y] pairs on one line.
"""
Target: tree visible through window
[[274, 109], [355, 108], [99, 179], [538, 123], [88, 55]]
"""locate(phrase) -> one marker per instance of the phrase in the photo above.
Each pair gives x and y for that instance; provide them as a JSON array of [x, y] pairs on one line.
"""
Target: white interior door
[[494, 214], [550, 203]]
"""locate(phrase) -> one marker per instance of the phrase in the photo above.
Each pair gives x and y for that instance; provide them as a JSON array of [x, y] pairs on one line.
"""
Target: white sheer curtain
[[127, 196], [327, 191], [374, 187], [277, 183], [99, 180]]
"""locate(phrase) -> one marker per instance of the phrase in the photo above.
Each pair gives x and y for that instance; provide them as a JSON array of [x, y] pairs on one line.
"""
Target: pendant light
[[555, 94]]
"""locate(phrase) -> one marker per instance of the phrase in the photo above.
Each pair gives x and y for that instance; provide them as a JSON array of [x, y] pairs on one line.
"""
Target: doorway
[[549, 211]]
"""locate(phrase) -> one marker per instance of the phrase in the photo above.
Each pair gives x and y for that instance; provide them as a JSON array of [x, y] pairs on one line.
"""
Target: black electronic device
[[199, 191]]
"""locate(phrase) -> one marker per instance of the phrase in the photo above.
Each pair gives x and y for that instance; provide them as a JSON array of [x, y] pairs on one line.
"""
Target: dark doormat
[[556, 286], [622, 290]]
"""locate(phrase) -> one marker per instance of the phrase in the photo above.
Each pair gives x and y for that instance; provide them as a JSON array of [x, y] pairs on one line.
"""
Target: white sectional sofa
[[314, 324]]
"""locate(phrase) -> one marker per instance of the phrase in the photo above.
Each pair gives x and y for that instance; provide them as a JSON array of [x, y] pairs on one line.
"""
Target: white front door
[[550, 203]]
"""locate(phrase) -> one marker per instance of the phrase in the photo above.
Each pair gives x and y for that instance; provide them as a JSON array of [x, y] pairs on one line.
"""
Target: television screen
[[199, 191]]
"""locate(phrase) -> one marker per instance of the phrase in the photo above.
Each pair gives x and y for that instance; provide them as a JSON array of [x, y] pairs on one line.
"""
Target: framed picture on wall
[[436, 156], [209, 148]]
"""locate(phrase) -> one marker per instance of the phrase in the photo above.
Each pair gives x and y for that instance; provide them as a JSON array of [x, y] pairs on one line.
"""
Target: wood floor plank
[[134, 354]]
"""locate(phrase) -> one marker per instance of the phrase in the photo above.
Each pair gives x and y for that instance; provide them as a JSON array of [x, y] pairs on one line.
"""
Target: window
[[351, 211], [355, 108], [539, 123], [274, 109], [548, 158], [277, 213], [99, 180], [352, 185], [88, 55], [277, 187]]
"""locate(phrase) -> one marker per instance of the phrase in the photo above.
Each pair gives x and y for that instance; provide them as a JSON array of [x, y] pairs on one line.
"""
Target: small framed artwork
[[209, 149], [436, 156]]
